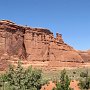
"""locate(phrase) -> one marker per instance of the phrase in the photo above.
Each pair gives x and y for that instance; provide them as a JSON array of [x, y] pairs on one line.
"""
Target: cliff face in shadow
[[34, 45]]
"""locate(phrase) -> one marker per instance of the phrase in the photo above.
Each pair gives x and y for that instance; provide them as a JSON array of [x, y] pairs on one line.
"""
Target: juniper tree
[[64, 82], [24, 79]]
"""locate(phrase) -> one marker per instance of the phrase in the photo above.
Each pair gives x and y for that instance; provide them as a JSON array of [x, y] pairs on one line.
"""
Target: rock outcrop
[[85, 55], [34, 45]]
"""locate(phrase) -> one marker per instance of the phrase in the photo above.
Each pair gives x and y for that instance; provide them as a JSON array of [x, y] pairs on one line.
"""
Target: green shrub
[[64, 82], [21, 79], [84, 82]]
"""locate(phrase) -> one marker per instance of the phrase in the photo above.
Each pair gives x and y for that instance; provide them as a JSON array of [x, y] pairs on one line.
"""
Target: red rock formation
[[85, 55], [34, 44], [12, 39]]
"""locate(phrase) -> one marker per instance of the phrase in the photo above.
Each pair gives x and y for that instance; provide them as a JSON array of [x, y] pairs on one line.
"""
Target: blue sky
[[71, 18]]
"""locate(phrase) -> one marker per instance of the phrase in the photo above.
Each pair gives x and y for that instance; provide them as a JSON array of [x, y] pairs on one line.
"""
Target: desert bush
[[21, 79], [84, 82], [64, 82], [33, 79]]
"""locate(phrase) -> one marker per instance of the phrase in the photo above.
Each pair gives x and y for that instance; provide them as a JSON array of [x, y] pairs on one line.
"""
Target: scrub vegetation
[[33, 79]]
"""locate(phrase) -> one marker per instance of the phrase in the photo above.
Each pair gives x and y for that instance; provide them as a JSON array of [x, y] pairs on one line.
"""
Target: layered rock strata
[[34, 45]]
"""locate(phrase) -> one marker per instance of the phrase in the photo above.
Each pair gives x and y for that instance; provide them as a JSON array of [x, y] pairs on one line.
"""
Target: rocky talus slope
[[37, 47]]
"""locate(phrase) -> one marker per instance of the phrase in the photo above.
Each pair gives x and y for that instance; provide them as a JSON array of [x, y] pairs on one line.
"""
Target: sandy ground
[[50, 86], [74, 85]]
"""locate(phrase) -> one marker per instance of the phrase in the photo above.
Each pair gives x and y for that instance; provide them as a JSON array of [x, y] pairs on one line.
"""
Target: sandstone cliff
[[85, 55], [34, 45]]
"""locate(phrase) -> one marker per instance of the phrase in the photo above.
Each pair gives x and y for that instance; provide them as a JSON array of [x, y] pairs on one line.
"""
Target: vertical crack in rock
[[25, 54]]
